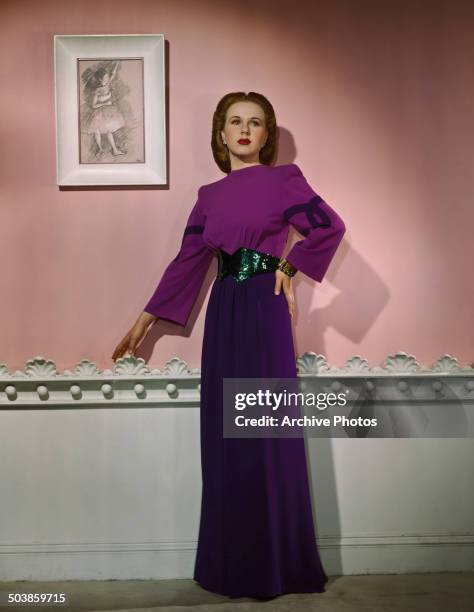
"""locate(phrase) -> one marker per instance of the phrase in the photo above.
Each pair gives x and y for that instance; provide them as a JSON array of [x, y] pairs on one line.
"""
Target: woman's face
[[245, 122], [105, 79]]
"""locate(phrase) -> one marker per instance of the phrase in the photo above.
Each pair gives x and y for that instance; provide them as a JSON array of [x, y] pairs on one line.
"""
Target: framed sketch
[[110, 109]]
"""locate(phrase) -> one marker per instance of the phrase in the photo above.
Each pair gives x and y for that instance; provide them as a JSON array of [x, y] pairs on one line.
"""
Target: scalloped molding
[[133, 382]]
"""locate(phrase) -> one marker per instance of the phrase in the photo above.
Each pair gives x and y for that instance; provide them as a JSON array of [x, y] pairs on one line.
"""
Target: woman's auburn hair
[[219, 150]]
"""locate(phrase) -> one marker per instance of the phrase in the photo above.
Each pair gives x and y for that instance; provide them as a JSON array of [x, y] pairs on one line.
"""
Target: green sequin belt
[[244, 263]]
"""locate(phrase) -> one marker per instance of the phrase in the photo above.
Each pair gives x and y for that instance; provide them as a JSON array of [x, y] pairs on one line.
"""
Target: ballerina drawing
[[100, 112]]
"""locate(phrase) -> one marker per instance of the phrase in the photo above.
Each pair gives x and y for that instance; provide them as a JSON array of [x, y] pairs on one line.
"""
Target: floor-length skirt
[[256, 534]]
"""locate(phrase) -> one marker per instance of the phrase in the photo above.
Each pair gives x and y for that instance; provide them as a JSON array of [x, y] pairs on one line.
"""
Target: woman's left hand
[[283, 280]]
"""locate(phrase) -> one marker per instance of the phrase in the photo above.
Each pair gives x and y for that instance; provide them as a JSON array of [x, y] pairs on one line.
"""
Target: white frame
[[70, 47]]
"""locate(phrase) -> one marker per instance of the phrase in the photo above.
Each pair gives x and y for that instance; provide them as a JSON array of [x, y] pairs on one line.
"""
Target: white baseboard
[[175, 560]]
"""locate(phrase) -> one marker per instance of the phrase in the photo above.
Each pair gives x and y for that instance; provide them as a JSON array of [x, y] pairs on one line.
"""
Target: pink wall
[[374, 100]]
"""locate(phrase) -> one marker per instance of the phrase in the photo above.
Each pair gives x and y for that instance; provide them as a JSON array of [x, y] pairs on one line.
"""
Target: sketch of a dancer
[[101, 114]]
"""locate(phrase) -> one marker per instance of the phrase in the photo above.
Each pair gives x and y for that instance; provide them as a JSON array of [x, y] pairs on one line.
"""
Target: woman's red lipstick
[[244, 141]]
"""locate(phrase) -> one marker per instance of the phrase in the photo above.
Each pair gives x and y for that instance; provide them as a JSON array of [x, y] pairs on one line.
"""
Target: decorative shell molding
[[309, 363], [133, 382], [399, 364]]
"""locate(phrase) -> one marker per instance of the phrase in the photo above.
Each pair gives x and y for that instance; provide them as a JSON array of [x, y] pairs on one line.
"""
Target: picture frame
[[110, 109]]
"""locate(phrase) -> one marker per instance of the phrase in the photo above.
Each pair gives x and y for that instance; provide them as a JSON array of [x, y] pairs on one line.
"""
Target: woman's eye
[[253, 121]]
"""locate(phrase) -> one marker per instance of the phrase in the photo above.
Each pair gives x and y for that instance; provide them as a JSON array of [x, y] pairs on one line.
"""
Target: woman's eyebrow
[[237, 117]]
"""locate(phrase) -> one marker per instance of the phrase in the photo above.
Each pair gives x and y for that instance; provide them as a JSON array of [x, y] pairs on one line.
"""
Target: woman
[[256, 535]]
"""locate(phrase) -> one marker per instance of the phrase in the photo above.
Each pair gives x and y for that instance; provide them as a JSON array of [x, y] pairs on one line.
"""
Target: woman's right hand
[[134, 337]]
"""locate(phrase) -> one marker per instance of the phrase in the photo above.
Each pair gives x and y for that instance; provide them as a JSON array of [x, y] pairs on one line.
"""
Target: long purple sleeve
[[179, 286], [312, 217]]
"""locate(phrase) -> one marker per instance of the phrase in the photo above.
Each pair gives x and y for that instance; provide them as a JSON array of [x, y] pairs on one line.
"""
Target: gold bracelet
[[286, 267]]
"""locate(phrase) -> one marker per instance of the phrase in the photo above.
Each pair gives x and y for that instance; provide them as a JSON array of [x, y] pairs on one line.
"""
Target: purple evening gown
[[256, 534]]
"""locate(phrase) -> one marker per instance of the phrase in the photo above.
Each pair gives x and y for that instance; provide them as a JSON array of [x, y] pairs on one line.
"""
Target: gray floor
[[453, 592]]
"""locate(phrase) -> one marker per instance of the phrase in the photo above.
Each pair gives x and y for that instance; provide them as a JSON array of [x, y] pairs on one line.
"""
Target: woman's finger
[[291, 302], [121, 348], [287, 288], [277, 284]]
